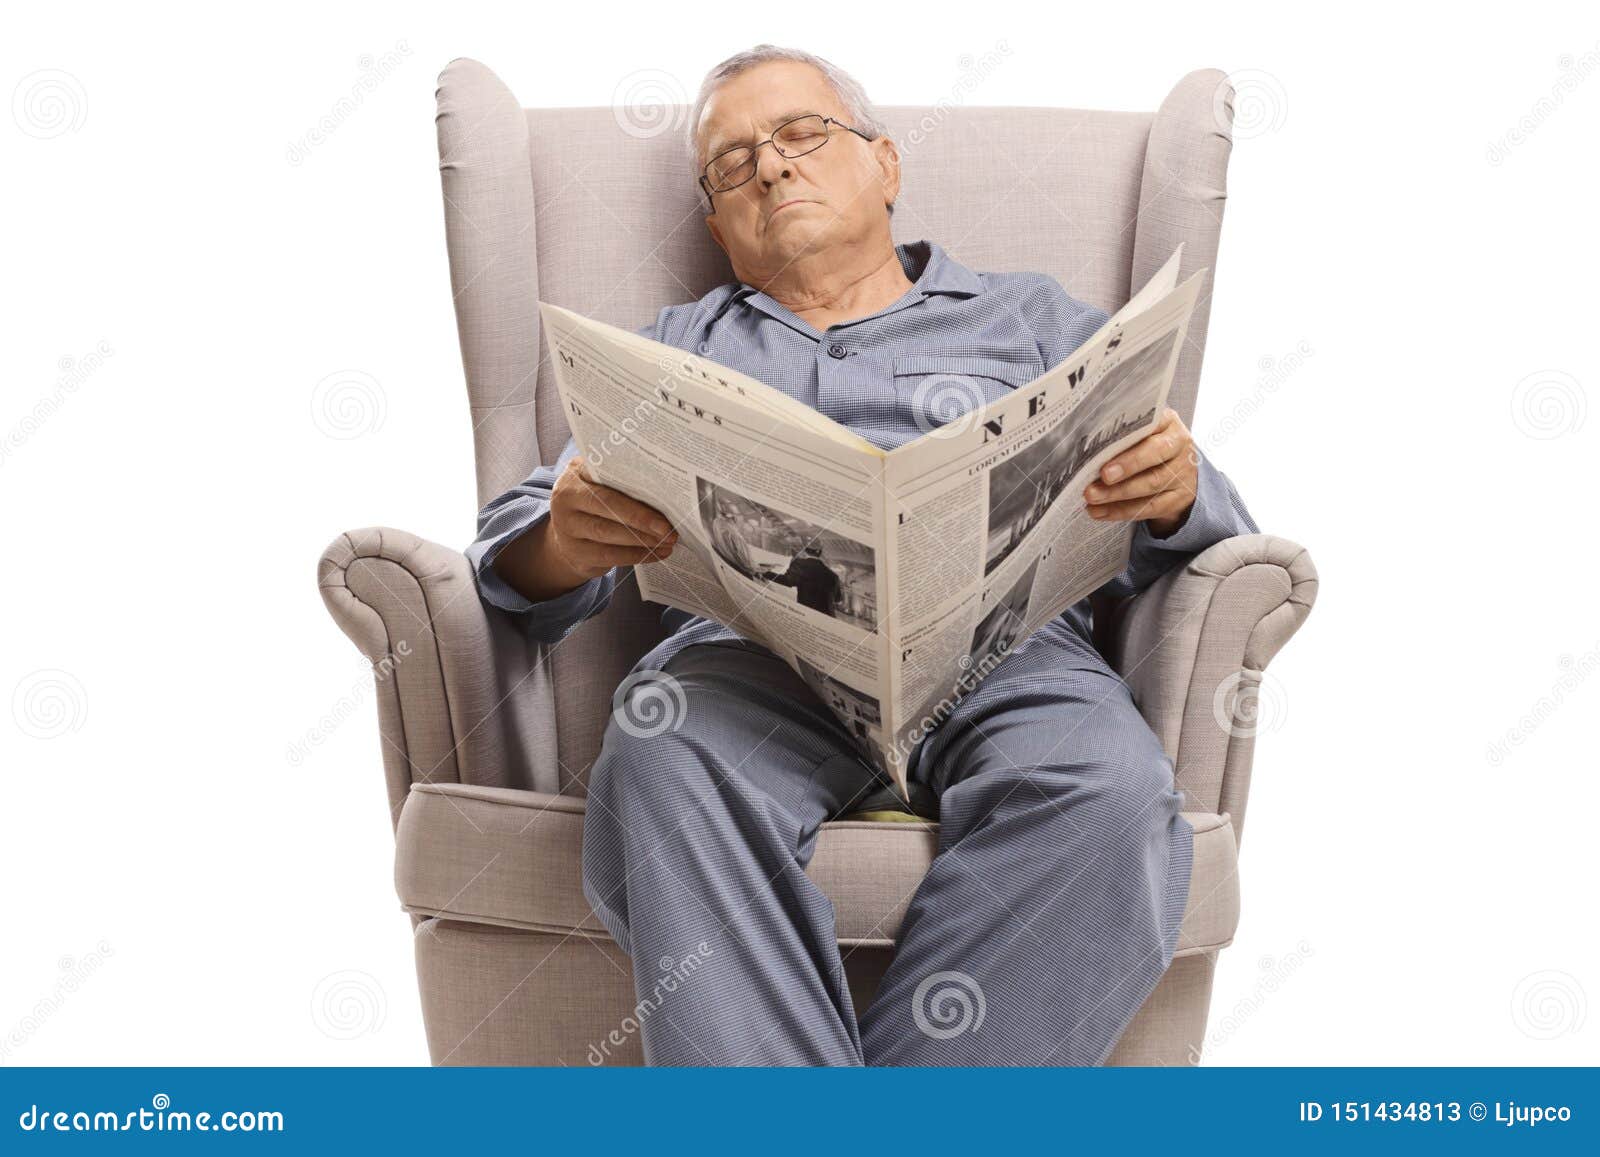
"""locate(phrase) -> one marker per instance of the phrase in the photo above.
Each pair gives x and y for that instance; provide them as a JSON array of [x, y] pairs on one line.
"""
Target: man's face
[[793, 205]]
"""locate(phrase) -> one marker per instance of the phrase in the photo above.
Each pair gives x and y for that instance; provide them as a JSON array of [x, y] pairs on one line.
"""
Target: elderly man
[[1063, 864]]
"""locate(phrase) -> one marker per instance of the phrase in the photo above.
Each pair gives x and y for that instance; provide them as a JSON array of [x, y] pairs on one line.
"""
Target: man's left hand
[[1154, 480]]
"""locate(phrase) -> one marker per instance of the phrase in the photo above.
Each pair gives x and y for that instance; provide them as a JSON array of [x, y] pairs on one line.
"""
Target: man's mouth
[[786, 204]]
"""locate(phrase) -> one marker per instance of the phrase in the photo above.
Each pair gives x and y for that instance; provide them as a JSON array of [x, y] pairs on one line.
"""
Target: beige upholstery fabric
[[486, 738], [491, 996], [513, 858], [462, 697], [1192, 649]]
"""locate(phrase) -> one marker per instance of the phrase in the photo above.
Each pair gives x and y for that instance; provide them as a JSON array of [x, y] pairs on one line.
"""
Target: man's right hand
[[591, 529]]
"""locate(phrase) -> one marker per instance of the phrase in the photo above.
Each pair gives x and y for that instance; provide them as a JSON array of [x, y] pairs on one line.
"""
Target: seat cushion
[[512, 858]]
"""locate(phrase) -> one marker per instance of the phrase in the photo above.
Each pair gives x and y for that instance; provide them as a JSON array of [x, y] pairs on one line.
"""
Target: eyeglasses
[[806, 134]]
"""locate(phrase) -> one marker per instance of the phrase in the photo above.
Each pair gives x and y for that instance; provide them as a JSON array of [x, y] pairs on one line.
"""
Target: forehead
[[761, 98]]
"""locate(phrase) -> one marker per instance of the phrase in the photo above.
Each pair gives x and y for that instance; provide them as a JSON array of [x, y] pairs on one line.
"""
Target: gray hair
[[846, 87]]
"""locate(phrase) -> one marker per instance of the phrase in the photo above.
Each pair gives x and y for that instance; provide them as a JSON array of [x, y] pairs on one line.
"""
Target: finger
[[581, 525], [617, 506], [1161, 476], [1163, 505], [1161, 445], [603, 556], [577, 474]]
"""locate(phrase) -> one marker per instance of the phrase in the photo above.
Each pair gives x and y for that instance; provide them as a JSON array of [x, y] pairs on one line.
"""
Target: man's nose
[[772, 165]]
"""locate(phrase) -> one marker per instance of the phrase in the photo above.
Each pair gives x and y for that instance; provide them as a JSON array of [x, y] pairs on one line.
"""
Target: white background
[[178, 889]]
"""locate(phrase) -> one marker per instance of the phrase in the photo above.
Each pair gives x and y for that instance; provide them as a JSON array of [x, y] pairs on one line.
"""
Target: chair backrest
[[596, 210]]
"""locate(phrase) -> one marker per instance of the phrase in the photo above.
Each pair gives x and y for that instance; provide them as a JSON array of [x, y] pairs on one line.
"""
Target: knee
[[1121, 786], [664, 744], [1137, 783], [1125, 786], [639, 770]]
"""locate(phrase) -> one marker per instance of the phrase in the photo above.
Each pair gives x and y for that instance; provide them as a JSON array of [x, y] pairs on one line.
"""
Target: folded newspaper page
[[892, 582]]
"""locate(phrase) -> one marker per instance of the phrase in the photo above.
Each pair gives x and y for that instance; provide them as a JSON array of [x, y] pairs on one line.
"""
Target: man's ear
[[887, 155]]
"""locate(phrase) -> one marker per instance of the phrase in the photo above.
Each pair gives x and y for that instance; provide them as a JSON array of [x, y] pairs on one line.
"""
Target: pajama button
[[836, 350]]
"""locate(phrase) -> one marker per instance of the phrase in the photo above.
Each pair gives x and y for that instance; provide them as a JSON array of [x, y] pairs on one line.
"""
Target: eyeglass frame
[[705, 183]]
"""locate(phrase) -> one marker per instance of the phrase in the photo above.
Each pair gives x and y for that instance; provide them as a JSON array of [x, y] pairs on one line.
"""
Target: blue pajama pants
[[1051, 910]]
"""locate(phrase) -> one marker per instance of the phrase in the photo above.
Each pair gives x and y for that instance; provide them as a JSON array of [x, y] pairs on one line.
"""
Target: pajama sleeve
[[510, 516]]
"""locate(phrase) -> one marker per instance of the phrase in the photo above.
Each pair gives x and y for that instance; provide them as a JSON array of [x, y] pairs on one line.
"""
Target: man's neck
[[822, 291]]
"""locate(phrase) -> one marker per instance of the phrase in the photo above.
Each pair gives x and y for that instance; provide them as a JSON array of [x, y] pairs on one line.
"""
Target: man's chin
[[795, 235]]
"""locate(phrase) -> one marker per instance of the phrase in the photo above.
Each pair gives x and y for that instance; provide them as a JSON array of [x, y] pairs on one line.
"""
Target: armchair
[[487, 737]]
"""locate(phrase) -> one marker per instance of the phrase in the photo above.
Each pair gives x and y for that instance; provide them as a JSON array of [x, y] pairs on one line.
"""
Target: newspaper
[[892, 582]]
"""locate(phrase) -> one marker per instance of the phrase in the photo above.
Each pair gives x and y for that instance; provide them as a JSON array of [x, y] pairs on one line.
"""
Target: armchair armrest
[[461, 697], [1192, 649]]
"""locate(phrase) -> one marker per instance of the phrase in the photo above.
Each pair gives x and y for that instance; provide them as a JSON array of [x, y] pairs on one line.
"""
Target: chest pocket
[[936, 389]]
